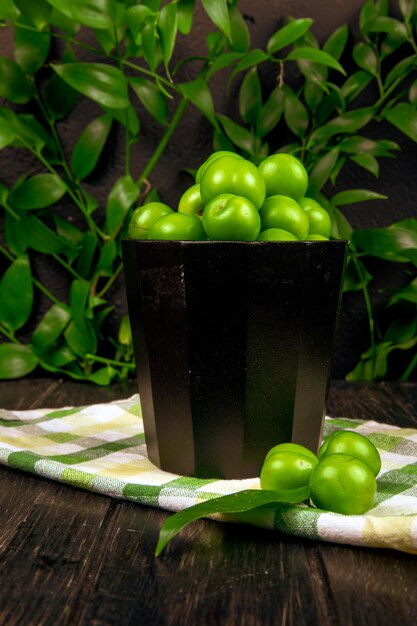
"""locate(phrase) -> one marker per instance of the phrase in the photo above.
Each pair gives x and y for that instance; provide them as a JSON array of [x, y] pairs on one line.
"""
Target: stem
[[8, 334], [102, 359], [369, 312], [10, 210], [143, 70], [67, 266], [54, 133], [409, 369], [164, 141], [109, 283]]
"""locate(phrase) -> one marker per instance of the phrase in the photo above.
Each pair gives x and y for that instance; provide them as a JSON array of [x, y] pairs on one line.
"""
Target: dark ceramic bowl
[[233, 344]]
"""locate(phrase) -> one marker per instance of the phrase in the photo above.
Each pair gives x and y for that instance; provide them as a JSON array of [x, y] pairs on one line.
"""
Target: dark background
[[191, 143]]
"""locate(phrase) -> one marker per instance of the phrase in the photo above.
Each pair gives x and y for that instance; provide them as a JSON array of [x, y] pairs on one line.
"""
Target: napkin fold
[[102, 448]]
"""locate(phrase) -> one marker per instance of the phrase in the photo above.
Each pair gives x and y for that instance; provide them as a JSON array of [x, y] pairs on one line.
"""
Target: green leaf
[[314, 72], [394, 243], [8, 10], [14, 85], [128, 118], [38, 13], [103, 376], [313, 94], [250, 97], [254, 57], [407, 7], [353, 196], [62, 22], [40, 237], [16, 361], [108, 254], [348, 123], [390, 44], [151, 97], [321, 172], [412, 93], [240, 136], [89, 146], [341, 229], [94, 13], [198, 92], [88, 246], [404, 117], [385, 25], [125, 334], [356, 276], [14, 234], [102, 83], [30, 48], [355, 84], [337, 169], [149, 45], [365, 57], [79, 296], [37, 192], [400, 70], [402, 330], [16, 294], [336, 43], [288, 34], [360, 144], [25, 135], [81, 342], [368, 162], [122, 195], [219, 15], [223, 61], [107, 38], [58, 96], [295, 113], [137, 17], [368, 12], [185, 15], [240, 502], [367, 369], [51, 326], [55, 357], [408, 293], [271, 112], [7, 133], [240, 36], [317, 56], [167, 24]]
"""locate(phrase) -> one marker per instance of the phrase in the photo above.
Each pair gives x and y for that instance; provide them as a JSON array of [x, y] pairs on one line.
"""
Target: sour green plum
[[144, 217]]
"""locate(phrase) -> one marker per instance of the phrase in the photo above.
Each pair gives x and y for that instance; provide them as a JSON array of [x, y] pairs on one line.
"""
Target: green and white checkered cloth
[[102, 448]]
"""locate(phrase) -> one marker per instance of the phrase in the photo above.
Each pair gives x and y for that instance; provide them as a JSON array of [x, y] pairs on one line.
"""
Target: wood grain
[[70, 557]]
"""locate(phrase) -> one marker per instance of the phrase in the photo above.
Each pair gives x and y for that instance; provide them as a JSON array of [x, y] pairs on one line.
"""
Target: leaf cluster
[[135, 70]]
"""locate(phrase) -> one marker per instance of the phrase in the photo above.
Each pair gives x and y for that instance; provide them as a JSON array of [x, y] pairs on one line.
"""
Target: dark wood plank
[[368, 401], [45, 551], [213, 574], [371, 587], [405, 395], [26, 393]]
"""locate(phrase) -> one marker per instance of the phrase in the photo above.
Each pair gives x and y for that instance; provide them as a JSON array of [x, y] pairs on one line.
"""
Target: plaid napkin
[[102, 448]]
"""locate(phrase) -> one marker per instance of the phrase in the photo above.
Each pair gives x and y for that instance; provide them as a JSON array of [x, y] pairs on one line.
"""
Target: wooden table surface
[[70, 557]]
